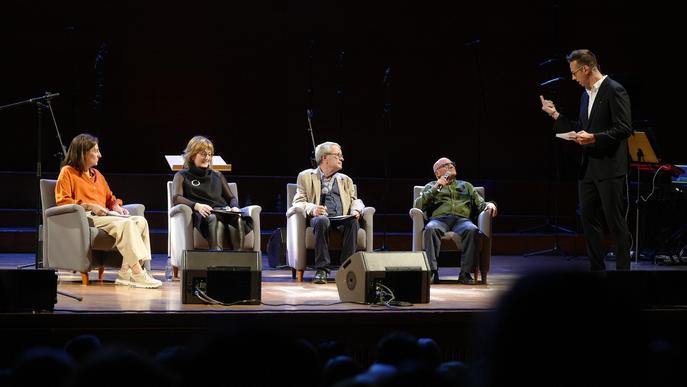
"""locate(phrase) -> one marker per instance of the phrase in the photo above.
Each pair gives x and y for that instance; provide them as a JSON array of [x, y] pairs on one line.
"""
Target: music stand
[[641, 151]]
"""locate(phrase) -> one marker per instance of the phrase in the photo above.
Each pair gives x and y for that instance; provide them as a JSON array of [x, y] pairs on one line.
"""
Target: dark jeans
[[470, 238], [321, 226]]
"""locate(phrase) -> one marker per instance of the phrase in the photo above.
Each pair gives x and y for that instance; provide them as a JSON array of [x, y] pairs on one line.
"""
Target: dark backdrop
[[463, 82]]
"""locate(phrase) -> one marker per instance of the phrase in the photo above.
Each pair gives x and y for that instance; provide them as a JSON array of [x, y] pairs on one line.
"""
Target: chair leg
[[84, 278], [101, 273], [293, 273], [299, 275], [175, 269]]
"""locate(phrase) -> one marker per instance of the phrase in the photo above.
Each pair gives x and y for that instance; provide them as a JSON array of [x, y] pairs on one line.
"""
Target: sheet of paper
[[570, 136]]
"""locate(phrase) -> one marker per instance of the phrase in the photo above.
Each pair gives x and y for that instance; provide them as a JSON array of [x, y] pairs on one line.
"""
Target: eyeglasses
[[578, 69], [450, 165], [338, 155], [205, 154]]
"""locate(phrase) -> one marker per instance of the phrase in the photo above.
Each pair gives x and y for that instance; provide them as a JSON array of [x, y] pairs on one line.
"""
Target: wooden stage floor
[[281, 293]]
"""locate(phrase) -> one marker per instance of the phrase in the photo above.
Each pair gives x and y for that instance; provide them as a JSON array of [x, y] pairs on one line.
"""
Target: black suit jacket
[[610, 122]]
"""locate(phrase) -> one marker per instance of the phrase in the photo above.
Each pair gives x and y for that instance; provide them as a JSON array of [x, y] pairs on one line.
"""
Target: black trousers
[[603, 199], [321, 226]]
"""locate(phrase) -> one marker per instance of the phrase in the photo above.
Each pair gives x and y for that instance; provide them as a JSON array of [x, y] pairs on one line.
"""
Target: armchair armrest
[[135, 209], [65, 209], [367, 215], [418, 217], [254, 212], [484, 221], [180, 232], [295, 237], [295, 210]]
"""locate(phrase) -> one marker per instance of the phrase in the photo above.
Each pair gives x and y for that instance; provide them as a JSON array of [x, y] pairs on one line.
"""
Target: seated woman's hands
[[120, 210], [95, 209], [203, 209]]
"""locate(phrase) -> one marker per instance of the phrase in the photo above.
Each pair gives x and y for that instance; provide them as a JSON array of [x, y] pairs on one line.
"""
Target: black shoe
[[434, 277], [320, 277], [466, 279]]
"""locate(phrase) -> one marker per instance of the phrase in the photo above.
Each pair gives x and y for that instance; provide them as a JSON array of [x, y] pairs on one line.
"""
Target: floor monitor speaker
[[225, 276], [405, 274]]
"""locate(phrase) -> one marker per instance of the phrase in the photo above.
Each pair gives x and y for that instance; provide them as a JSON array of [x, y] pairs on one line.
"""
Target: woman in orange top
[[80, 183]]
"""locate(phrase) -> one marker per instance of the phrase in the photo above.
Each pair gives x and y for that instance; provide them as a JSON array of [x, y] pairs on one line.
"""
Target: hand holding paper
[[570, 136]]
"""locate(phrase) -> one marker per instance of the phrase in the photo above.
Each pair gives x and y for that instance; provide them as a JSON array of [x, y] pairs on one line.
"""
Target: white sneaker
[[144, 280], [123, 278]]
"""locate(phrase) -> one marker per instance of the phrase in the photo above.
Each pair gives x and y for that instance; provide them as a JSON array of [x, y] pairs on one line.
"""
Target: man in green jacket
[[448, 203]]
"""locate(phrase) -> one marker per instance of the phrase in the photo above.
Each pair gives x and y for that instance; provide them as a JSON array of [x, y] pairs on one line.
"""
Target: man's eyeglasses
[[578, 69], [205, 154], [448, 166], [338, 155]]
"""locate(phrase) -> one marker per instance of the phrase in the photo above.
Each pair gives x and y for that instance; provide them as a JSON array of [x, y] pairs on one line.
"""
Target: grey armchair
[[70, 242], [450, 243], [300, 236], [183, 236]]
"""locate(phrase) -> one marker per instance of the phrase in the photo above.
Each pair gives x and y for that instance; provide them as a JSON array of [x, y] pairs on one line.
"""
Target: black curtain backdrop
[[464, 81]]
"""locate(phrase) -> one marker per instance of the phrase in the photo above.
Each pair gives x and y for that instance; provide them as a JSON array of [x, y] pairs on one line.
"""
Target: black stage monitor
[[405, 274], [28, 290], [225, 276]]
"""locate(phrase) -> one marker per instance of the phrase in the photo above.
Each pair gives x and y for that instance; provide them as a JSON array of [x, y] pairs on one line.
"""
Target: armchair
[[450, 243], [70, 242], [183, 236], [300, 237]]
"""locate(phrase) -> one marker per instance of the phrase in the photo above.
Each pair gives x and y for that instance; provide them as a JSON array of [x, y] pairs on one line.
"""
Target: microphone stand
[[313, 162], [386, 116], [41, 103]]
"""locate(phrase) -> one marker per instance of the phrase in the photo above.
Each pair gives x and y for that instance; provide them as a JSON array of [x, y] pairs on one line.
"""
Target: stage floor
[[282, 293]]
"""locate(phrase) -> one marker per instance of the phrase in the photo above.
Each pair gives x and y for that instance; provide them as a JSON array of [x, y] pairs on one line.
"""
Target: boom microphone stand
[[41, 103]]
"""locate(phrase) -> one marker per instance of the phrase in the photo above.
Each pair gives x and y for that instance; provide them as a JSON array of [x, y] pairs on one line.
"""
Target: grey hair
[[323, 149]]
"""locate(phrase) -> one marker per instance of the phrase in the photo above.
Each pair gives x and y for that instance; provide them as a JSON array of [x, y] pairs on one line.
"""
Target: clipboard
[[176, 163], [228, 212], [640, 149]]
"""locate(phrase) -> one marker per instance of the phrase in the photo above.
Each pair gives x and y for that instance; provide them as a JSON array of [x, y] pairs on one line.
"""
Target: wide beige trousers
[[131, 236]]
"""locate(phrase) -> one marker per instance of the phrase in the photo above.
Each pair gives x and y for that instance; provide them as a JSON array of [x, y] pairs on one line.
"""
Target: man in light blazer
[[602, 129], [324, 193]]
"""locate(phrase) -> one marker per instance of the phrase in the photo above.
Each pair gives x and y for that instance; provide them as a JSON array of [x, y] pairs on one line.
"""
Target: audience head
[[339, 368], [42, 366], [78, 153], [396, 348], [81, 346], [198, 153], [571, 328]]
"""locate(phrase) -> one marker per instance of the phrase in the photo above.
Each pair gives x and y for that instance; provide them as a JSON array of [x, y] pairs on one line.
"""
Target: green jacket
[[458, 198]]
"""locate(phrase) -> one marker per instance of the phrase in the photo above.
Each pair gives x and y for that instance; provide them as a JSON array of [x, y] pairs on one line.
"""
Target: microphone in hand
[[446, 176]]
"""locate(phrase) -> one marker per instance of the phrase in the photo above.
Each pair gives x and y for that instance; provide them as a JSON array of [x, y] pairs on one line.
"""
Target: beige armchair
[[450, 243], [300, 237], [183, 236], [70, 242]]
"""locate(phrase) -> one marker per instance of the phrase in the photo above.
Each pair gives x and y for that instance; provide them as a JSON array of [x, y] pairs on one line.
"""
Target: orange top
[[76, 187]]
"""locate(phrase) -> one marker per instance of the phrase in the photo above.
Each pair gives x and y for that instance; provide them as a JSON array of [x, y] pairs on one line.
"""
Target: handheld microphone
[[446, 176]]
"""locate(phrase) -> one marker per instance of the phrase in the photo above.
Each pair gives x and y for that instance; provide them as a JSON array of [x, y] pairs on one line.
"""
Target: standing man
[[323, 192], [448, 203], [602, 128]]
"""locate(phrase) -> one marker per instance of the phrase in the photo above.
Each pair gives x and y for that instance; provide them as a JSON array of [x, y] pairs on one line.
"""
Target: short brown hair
[[76, 154], [583, 57], [196, 145]]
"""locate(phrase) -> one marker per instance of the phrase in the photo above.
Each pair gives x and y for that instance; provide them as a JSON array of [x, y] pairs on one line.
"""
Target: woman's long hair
[[76, 154]]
